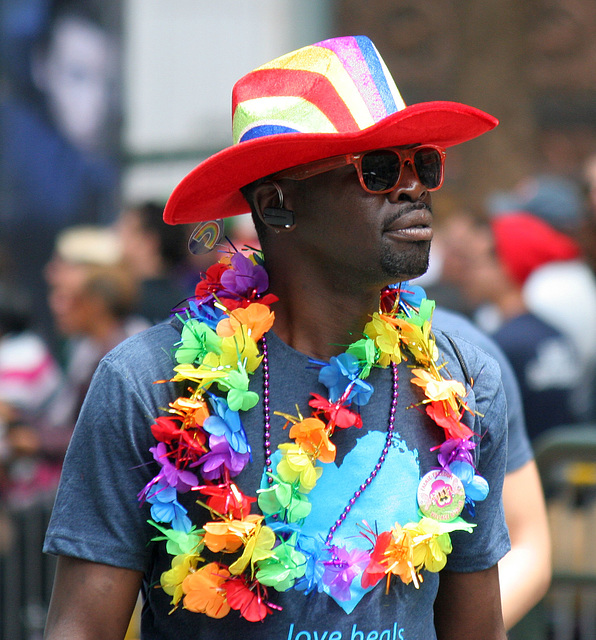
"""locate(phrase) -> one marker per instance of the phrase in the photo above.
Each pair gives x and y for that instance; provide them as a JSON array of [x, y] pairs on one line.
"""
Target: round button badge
[[441, 495]]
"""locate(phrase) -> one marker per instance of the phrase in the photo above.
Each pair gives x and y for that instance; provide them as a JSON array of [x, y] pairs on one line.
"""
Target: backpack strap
[[462, 362]]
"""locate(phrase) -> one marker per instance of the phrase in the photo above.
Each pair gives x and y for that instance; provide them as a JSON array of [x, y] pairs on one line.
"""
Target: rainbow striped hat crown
[[327, 99]]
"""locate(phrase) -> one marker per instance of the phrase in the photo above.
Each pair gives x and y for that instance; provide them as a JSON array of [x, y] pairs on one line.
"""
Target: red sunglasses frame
[[404, 155]]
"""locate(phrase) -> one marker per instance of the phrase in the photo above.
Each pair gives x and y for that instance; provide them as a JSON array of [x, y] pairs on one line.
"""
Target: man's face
[[359, 237]]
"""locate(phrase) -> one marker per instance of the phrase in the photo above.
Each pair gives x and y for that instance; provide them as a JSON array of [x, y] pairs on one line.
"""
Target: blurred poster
[[59, 126]]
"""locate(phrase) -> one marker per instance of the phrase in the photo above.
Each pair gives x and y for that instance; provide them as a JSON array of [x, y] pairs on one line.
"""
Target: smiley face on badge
[[441, 495]]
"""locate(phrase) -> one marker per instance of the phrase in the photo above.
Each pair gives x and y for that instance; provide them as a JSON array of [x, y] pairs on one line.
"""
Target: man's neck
[[322, 319]]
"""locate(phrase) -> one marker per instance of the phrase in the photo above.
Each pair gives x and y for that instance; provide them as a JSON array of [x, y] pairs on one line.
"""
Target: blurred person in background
[[92, 297], [563, 292], [500, 255], [31, 446], [156, 254], [58, 125]]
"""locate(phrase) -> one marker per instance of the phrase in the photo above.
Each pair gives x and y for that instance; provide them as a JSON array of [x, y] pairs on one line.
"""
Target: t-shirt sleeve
[[490, 540], [96, 515], [519, 449]]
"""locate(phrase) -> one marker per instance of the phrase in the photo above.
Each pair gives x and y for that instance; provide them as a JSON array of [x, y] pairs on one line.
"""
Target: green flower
[[197, 340], [179, 542], [285, 500], [284, 568], [365, 352]]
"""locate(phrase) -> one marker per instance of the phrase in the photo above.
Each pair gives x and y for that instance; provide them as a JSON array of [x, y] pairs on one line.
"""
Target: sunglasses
[[379, 170]]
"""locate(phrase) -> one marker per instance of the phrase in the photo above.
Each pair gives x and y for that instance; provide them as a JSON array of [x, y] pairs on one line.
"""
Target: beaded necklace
[[222, 328]]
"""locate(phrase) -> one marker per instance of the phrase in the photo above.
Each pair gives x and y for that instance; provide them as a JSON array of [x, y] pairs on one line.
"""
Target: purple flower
[[244, 277], [455, 450], [221, 457], [341, 375], [165, 508], [180, 479], [342, 569]]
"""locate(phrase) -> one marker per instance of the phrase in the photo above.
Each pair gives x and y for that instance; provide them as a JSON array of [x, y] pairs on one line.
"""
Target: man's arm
[[91, 601], [468, 606], [525, 572]]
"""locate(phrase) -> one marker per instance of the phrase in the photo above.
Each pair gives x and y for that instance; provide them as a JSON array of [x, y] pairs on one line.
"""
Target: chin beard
[[405, 265]]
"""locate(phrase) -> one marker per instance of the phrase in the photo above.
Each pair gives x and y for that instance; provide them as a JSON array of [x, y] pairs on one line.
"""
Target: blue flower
[[316, 553], [410, 295], [206, 313], [341, 377], [165, 507], [476, 486], [227, 423]]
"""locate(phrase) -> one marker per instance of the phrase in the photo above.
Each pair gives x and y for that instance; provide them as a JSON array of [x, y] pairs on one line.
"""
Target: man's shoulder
[[458, 338], [147, 350]]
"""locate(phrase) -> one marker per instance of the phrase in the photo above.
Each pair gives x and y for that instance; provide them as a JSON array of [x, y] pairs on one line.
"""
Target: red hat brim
[[212, 189]]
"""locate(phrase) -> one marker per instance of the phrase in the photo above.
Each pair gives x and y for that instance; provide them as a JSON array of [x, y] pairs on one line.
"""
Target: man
[[363, 487]]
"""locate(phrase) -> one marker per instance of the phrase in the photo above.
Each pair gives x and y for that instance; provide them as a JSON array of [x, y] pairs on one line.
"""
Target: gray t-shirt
[[97, 517]]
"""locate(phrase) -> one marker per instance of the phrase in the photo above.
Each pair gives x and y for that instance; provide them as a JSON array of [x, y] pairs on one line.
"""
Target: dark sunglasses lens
[[380, 170], [429, 167]]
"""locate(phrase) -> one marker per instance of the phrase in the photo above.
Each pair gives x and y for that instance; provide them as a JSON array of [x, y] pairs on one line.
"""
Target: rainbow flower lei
[[203, 431]]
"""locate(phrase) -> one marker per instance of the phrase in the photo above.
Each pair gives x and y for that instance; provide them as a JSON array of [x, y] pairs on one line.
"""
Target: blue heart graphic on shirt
[[390, 498]]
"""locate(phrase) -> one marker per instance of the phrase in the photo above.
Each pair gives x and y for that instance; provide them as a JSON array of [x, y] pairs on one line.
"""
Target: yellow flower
[[296, 465], [386, 339], [258, 543], [171, 580], [398, 557], [240, 347], [438, 389], [431, 544], [418, 340]]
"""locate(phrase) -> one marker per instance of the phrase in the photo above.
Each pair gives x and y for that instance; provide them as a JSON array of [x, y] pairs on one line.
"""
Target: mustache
[[407, 207]]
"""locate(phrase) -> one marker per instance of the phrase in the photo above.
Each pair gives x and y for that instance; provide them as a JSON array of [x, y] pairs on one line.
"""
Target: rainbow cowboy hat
[[327, 99]]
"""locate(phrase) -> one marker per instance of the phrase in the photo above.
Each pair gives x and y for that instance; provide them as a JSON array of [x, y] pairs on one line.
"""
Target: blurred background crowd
[[104, 106]]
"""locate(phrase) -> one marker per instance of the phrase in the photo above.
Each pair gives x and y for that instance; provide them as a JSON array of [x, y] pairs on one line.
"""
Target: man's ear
[[268, 199]]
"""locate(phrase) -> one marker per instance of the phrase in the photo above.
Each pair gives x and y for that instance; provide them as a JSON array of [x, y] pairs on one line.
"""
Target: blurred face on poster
[[76, 72]]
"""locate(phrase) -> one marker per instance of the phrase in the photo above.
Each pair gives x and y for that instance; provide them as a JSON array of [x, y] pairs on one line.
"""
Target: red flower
[[191, 441], [336, 413], [211, 282], [165, 430], [448, 419], [376, 570], [227, 500], [249, 600]]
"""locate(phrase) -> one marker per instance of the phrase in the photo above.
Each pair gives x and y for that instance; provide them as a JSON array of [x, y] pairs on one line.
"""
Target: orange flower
[[312, 436], [205, 592], [257, 318], [229, 535], [399, 556], [417, 339], [190, 409]]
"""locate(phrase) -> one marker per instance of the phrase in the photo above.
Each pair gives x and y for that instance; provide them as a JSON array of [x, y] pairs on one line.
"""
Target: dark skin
[[327, 272], [329, 269]]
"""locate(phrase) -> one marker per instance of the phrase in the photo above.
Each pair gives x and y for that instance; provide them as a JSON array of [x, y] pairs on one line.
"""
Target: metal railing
[[26, 574]]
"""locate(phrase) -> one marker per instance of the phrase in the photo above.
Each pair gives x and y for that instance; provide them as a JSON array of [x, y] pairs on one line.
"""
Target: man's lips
[[414, 225]]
